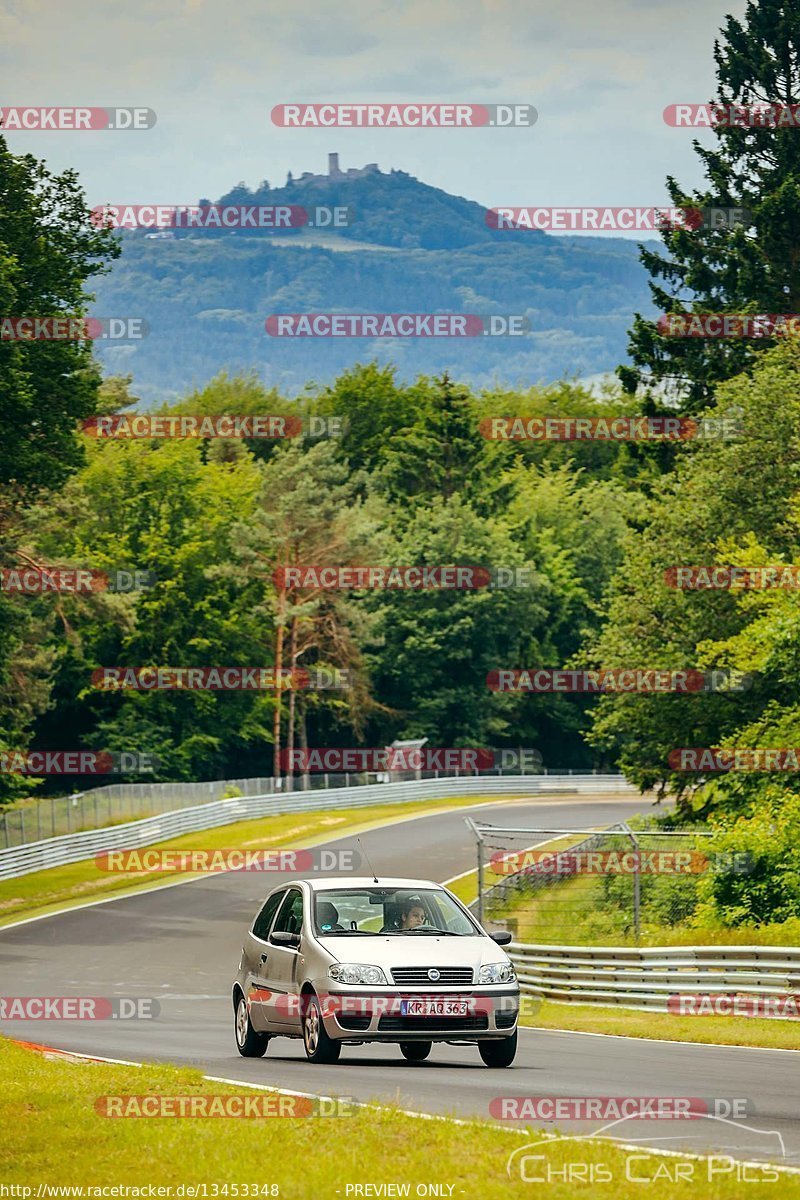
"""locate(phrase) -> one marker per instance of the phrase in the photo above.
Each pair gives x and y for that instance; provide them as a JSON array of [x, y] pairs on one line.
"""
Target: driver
[[405, 914], [412, 914]]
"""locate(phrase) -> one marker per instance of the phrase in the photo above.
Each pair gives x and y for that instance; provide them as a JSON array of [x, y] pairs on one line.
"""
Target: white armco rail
[[73, 847], [646, 978]]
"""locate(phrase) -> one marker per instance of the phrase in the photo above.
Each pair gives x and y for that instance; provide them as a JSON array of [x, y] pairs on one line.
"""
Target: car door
[[282, 1007], [256, 951]]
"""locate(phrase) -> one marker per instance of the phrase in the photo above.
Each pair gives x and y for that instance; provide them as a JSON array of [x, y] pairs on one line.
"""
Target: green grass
[[59, 1139], [60, 887], [728, 1031], [576, 912]]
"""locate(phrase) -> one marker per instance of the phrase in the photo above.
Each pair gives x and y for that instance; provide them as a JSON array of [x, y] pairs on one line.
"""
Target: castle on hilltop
[[335, 173]]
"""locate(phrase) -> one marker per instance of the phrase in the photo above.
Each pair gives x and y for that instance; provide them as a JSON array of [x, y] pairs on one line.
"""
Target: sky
[[599, 72]]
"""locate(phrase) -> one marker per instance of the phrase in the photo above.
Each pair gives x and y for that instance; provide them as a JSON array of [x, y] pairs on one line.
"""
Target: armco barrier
[[58, 851], [645, 978]]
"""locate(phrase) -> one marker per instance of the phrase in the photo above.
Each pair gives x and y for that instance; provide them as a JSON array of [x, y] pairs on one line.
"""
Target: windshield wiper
[[347, 933], [429, 929]]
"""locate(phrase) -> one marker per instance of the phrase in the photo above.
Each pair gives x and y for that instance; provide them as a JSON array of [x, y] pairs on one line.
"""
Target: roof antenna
[[369, 864]]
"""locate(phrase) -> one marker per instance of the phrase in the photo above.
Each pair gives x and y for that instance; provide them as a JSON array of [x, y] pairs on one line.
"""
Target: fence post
[[52, 816], [637, 894], [22, 824], [38, 820], [479, 849]]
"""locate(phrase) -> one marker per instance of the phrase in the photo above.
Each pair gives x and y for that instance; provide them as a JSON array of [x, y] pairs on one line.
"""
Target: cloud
[[600, 75]]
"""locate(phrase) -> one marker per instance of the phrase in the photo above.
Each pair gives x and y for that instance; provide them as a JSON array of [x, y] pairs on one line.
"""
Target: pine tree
[[753, 267], [443, 452]]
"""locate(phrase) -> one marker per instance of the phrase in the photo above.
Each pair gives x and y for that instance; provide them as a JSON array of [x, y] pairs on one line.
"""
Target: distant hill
[[410, 248]]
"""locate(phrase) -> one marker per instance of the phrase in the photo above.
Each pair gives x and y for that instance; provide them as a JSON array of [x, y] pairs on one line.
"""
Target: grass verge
[[728, 1031], [60, 1140]]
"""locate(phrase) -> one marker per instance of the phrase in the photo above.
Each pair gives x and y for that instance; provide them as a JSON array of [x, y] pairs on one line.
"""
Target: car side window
[[264, 918], [290, 917]]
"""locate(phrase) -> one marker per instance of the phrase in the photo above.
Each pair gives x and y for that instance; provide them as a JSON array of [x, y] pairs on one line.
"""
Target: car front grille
[[390, 1024], [418, 976]]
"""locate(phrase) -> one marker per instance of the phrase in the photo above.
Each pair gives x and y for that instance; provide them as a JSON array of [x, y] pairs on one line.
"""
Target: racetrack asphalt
[[181, 945]]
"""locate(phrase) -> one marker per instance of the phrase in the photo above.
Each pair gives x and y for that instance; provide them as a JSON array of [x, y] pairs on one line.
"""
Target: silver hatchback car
[[343, 961]]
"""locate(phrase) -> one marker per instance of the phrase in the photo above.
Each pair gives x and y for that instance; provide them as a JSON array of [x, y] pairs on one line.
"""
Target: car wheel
[[500, 1053], [249, 1042], [319, 1047], [415, 1051]]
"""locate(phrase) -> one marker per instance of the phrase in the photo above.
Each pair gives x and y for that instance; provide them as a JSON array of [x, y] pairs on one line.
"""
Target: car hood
[[415, 950]]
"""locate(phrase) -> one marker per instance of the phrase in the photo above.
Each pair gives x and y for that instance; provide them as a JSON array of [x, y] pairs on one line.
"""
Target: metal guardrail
[[646, 978], [37, 817], [58, 851]]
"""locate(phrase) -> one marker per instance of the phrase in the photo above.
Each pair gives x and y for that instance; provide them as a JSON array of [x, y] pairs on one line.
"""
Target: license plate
[[433, 1008]]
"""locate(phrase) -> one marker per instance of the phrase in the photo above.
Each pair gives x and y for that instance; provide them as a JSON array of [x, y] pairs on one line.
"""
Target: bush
[[769, 892]]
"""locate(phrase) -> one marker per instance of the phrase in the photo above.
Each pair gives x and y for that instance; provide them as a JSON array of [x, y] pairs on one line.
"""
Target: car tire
[[249, 1042], [499, 1053], [415, 1051], [319, 1047]]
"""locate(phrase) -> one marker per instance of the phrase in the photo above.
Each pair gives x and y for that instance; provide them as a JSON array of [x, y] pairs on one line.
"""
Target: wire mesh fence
[[620, 885], [39, 817]]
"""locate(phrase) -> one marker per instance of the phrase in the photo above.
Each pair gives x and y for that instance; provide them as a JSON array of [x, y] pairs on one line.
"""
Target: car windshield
[[398, 911]]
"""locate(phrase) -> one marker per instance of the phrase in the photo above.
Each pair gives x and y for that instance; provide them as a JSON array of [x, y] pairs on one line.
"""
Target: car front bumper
[[377, 1015]]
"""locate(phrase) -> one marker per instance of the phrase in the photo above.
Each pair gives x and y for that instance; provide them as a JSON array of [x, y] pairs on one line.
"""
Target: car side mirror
[[281, 938], [502, 937]]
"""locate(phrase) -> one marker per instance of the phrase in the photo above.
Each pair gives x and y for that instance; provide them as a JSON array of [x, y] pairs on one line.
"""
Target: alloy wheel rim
[[312, 1028], [241, 1022]]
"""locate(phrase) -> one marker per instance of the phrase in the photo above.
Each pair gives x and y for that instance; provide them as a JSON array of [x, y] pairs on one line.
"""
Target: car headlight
[[356, 973], [501, 972]]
